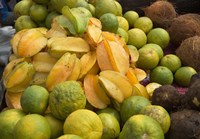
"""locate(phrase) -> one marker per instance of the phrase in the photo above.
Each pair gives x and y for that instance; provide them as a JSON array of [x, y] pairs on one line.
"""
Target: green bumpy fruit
[[65, 98]]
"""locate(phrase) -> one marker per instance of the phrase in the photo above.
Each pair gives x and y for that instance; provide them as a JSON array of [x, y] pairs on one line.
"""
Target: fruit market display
[[88, 70]]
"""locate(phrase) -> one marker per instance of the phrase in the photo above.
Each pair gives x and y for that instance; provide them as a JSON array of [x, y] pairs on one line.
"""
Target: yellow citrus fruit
[[109, 22], [161, 75], [141, 126], [65, 98], [111, 126], [105, 6], [132, 106], [148, 58], [38, 12], [136, 37], [158, 36], [32, 126], [156, 47], [111, 111], [119, 8], [56, 125], [69, 136], [131, 17], [159, 114], [34, 99], [84, 123], [171, 61], [9, 119], [144, 23], [123, 34], [123, 23], [183, 75], [151, 87]]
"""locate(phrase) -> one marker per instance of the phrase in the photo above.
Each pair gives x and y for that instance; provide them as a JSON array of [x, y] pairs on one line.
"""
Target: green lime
[[38, 12], [123, 23], [136, 37], [171, 61], [131, 17], [156, 47], [161, 75], [34, 99], [183, 75], [144, 23], [148, 58], [109, 22], [123, 34], [132, 106], [158, 36]]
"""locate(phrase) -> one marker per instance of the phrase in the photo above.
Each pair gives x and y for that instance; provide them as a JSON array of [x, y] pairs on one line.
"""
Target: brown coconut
[[189, 52], [161, 13], [183, 27]]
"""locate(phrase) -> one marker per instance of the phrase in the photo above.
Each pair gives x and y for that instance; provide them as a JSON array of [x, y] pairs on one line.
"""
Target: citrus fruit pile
[[77, 72]]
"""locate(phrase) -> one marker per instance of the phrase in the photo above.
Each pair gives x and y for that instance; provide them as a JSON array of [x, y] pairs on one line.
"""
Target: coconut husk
[[161, 13], [189, 52], [183, 27]]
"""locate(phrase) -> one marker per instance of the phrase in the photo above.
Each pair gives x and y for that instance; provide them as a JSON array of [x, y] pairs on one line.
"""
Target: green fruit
[[34, 99], [141, 127], [32, 126], [159, 114], [161, 75], [65, 98], [50, 17], [109, 22], [132, 106], [105, 6], [111, 127], [111, 111], [9, 119], [38, 12], [22, 7], [24, 22], [84, 123], [158, 36]]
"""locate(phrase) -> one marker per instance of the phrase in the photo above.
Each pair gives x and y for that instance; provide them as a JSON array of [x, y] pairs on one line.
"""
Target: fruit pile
[[84, 69]]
